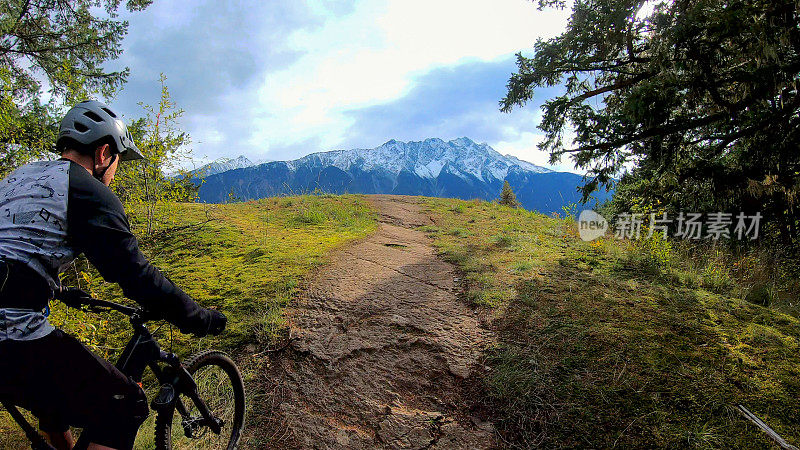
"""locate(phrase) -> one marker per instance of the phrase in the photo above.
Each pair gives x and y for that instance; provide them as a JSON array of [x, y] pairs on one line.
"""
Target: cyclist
[[50, 212]]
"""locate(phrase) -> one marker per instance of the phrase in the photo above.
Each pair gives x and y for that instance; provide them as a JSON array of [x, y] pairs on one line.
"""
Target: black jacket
[[42, 228]]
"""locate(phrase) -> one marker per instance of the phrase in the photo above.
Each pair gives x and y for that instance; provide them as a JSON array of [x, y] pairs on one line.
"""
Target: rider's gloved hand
[[209, 322], [217, 322], [72, 296]]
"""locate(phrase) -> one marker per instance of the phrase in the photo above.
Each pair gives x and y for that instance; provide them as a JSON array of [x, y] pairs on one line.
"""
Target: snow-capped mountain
[[459, 168], [424, 158], [222, 165]]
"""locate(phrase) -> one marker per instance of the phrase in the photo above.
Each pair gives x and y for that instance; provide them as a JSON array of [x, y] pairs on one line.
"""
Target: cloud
[[448, 102], [280, 79], [214, 55], [456, 101], [377, 53]]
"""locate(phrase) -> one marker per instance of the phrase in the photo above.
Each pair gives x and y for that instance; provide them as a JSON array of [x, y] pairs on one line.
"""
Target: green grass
[[600, 344], [247, 261], [610, 343]]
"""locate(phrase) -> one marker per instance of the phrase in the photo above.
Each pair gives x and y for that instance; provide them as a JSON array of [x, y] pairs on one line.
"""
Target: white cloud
[[373, 54], [525, 147], [280, 79]]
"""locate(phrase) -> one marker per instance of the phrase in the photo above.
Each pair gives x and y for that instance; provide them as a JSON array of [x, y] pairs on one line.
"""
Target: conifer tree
[[700, 97], [60, 47], [507, 196]]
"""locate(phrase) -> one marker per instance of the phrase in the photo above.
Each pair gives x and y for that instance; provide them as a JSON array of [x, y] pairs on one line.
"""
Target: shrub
[[657, 250], [716, 278]]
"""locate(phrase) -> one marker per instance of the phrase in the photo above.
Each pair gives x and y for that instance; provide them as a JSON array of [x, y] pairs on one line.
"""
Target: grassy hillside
[[607, 343], [600, 344], [245, 259]]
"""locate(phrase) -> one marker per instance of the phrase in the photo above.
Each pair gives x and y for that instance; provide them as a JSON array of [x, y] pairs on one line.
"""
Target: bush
[[761, 294], [657, 250], [716, 278]]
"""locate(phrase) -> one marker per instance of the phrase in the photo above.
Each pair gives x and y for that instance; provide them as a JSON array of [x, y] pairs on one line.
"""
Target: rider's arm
[[98, 227]]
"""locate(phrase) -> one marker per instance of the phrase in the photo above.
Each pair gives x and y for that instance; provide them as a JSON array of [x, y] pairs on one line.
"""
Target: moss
[[429, 229], [247, 261], [760, 294], [610, 343]]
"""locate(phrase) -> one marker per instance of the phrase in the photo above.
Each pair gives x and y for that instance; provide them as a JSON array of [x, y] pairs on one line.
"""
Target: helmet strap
[[99, 175]]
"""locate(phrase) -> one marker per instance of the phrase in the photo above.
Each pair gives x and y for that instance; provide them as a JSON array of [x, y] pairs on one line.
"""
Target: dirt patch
[[381, 348]]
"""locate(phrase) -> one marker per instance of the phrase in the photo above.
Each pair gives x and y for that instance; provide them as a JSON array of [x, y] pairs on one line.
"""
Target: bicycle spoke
[[215, 389]]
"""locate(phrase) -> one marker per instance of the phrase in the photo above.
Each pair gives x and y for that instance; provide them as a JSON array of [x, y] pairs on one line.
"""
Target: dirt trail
[[381, 347]]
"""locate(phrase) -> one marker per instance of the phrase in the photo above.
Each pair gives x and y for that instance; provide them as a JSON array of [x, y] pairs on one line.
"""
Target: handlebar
[[95, 303], [78, 298]]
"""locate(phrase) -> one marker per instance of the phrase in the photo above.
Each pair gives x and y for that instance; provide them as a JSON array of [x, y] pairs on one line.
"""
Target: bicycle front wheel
[[220, 386]]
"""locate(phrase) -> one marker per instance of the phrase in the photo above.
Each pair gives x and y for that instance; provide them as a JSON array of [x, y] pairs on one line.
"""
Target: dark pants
[[64, 384]]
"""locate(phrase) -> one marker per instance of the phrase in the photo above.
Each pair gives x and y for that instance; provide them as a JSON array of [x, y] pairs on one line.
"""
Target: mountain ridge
[[223, 164], [459, 168], [395, 156]]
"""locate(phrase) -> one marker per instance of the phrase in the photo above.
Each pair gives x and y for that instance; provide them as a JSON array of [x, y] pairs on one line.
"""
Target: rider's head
[[97, 138]]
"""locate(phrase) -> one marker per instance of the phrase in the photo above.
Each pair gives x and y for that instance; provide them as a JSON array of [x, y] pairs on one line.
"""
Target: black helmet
[[89, 121]]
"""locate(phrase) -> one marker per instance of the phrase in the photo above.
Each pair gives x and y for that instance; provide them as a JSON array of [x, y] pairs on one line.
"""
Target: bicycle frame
[[141, 352]]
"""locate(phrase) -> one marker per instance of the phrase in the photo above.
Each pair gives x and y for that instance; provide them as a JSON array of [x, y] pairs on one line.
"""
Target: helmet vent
[[92, 115], [110, 113], [79, 127]]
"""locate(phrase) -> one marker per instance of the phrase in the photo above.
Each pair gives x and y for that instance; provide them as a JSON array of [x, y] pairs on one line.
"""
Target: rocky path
[[381, 347]]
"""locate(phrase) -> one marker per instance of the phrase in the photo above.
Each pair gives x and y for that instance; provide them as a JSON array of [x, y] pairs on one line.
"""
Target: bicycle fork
[[143, 351], [175, 379]]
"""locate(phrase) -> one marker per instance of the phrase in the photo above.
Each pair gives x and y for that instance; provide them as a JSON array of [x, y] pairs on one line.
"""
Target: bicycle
[[190, 391]]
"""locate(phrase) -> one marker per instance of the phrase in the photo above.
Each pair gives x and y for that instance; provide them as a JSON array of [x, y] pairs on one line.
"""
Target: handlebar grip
[[73, 297], [77, 298], [69, 291]]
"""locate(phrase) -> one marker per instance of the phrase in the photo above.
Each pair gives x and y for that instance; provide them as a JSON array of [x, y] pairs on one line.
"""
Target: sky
[[278, 79]]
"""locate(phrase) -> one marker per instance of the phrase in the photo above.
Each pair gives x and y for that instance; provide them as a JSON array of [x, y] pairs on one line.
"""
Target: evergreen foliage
[[59, 46], [700, 96], [507, 196]]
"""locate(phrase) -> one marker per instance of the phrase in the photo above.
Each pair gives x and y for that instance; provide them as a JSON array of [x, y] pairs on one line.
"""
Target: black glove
[[210, 322], [217, 323], [72, 297]]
